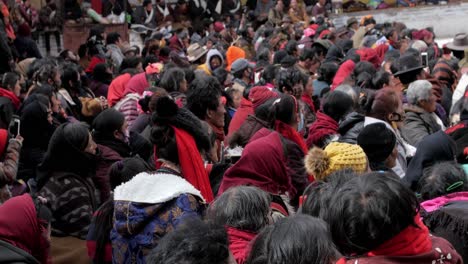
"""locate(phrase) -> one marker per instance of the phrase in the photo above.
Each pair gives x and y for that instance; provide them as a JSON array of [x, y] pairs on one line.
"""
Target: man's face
[[149, 7]]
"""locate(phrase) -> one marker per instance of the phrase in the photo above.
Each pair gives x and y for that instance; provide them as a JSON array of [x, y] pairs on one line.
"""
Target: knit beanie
[[336, 156], [377, 141]]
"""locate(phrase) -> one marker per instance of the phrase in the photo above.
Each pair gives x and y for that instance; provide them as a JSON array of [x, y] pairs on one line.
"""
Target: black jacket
[[13, 255], [350, 128]]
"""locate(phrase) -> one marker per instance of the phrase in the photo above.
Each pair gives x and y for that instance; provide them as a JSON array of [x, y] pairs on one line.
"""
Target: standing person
[[50, 21], [114, 50], [275, 16], [319, 9], [7, 62], [146, 15], [25, 45]]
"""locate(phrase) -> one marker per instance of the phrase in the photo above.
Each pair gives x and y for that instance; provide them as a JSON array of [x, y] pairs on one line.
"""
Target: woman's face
[[215, 62], [236, 99], [17, 88], [309, 89], [91, 147]]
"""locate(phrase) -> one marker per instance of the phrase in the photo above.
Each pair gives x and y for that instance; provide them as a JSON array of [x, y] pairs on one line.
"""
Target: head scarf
[[262, 164], [22, 226]]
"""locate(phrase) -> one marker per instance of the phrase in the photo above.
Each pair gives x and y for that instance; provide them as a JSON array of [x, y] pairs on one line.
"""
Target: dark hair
[[317, 195], [369, 210], [291, 47], [307, 54], [101, 74], [337, 105], [120, 172], [363, 66], [167, 114], [70, 74], [194, 242], [171, 79], [269, 73], [129, 63], [282, 109], [295, 240], [287, 79], [327, 72], [380, 79], [203, 95], [383, 102], [220, 74], [441, 179], [243, 207], [149, 60], [9, 80], [66, 153], [45, 72], [106, 123], [112, 38]]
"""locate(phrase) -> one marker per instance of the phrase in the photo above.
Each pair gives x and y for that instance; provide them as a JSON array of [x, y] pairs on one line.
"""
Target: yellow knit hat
[[336, 156]]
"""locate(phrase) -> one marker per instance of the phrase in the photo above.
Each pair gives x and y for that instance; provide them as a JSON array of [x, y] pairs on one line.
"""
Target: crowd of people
[[287, 141]]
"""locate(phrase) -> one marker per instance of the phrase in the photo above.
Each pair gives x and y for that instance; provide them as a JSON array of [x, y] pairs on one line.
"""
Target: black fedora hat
[[408, 63]]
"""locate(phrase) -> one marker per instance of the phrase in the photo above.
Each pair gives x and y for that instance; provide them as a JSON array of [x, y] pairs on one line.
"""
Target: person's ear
[[117, 134], [209, 114]]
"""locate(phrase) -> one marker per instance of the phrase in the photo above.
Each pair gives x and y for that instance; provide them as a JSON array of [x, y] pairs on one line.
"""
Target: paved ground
[[447, 20]]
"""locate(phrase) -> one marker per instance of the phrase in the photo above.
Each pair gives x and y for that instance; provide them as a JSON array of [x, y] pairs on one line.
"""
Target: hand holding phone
[[15, 126]]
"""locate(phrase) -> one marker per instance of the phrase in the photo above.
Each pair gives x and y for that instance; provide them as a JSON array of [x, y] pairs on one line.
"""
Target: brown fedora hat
[[195, 52], [460, 42]]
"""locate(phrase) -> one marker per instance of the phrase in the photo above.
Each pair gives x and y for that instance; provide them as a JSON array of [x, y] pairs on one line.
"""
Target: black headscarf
[[434, 148]]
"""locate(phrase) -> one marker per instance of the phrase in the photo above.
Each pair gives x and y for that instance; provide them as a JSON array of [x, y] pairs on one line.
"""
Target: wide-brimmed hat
[[195, 52], [408, 63], [460, 42]]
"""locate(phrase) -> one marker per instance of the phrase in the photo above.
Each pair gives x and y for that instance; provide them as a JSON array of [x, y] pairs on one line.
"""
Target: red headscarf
[[95, 60], [262, 164], [117, 88], [260, 94], [12, 96], [191, 163], [137, 84], [20, 226], [323, 126], [343, 72]]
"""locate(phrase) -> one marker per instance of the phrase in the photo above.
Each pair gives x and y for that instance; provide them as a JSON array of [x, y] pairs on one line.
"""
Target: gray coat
[[418, 124]]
